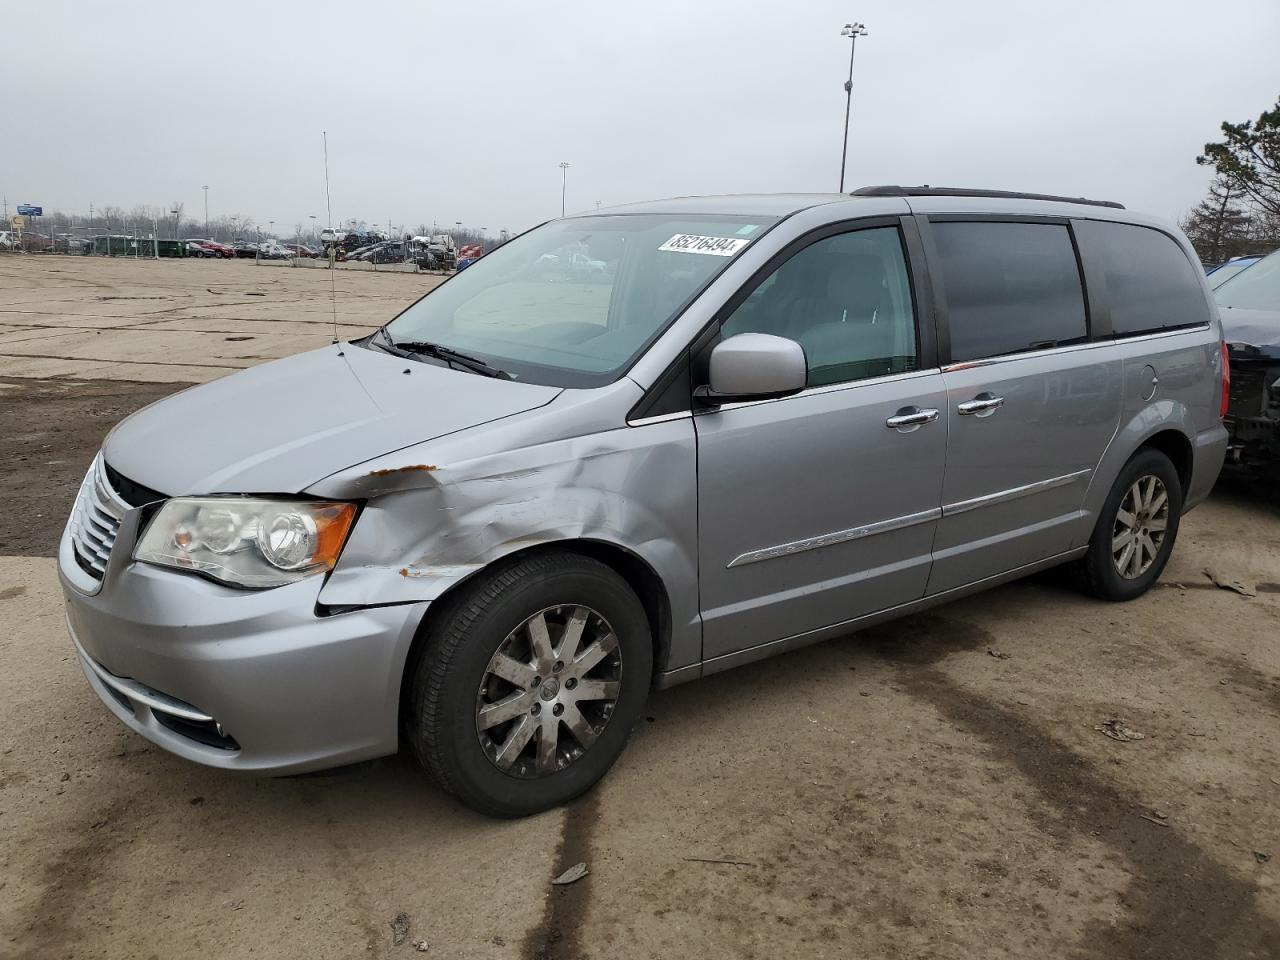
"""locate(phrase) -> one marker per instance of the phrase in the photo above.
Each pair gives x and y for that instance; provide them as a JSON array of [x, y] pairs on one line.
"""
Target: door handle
[[910, 417], [983, 405]]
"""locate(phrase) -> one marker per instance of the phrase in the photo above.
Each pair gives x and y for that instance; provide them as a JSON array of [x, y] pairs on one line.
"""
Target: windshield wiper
[[447, 354]]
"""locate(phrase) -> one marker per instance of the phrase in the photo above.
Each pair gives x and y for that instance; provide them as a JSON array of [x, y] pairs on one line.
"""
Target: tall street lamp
[[313, 227], [564, 179], [853, 31], [205, 188]]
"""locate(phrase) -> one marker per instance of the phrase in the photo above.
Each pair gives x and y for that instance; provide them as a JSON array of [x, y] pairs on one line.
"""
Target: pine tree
[[1249, 158]]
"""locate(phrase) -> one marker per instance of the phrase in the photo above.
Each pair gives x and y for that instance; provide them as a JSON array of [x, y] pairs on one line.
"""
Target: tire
[[452, 683], [1101, 565]]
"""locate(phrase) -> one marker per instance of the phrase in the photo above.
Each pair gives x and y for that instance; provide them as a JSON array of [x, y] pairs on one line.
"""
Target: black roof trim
[[928, 191]]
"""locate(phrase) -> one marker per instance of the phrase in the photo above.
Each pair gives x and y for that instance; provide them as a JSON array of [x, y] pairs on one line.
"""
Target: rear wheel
[[529, 684], [1136, 530]]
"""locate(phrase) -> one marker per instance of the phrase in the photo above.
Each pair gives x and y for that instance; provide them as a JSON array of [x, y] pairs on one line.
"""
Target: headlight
[[247, 542]]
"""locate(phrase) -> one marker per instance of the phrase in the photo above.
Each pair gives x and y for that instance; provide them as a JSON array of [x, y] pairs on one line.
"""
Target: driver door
[[819, 508]]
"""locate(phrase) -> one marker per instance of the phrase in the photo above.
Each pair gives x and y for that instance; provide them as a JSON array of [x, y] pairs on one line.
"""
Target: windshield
[[1257, 288], [1229, 270], [574, 302]]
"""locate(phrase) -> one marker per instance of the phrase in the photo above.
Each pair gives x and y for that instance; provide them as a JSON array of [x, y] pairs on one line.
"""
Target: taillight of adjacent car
[[1226, 381]]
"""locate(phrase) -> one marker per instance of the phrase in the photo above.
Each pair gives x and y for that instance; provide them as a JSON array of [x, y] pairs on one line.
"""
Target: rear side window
[[1010, 287], [1148, 281]]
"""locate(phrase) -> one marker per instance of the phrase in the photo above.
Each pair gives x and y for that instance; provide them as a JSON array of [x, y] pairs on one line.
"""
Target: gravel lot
[[937, 787]]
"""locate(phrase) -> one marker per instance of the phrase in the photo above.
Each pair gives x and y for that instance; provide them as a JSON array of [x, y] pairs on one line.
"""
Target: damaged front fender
[[431, 521]]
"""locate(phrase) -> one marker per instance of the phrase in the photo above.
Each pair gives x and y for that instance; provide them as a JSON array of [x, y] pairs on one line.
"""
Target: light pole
[[205, 188], [853, 31], [176, 212], [564, 180], [313, 227]]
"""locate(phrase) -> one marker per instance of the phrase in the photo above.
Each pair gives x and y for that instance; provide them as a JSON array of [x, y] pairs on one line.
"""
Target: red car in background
[[215, 248]]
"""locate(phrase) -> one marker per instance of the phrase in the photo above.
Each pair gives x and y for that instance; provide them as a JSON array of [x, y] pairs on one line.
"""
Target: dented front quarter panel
[[439, 512]]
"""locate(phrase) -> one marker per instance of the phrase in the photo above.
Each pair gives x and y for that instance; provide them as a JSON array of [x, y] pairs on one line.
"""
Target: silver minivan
[[633, 448]]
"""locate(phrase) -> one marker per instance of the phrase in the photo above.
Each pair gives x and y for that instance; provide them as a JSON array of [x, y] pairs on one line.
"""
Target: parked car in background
[[468, 254], [301, 250], [349, 242], [1225, 271], [396, 251], [442, 248], [273, 250], [1249, 303], [213, 247], [244, 248], [419, 251], [70, 244], [198, 248], [489, 528], [389, 251]]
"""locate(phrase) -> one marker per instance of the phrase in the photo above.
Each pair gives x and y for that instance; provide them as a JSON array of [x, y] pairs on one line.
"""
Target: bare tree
[[240, 225], [1218, 227], [1227, 223]]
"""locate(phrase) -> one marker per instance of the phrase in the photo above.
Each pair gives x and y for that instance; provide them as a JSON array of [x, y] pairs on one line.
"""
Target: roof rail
[[928, 191]]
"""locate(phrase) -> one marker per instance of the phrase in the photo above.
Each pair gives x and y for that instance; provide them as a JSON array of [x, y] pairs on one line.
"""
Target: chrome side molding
[[909, 520], [831, 539], [1014, 493]]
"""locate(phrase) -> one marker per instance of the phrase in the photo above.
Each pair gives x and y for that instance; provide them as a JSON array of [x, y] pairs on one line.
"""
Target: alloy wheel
[[549, 691], [1141, 523]]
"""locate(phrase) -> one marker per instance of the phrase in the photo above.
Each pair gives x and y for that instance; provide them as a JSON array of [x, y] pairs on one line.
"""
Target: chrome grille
[[95, 520]]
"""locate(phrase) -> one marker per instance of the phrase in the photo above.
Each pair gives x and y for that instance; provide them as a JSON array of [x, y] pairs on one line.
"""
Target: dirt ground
[[937, 787]]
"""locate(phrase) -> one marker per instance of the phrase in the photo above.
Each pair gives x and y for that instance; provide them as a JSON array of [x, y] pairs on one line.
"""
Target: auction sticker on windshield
[[715, 246]]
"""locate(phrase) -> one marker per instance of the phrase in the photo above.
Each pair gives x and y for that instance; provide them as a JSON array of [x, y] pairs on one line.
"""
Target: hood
[[282, 426], [1255, 328]]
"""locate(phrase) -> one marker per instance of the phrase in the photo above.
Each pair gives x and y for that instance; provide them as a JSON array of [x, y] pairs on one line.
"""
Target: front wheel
[[529, 684], [1136, 530]]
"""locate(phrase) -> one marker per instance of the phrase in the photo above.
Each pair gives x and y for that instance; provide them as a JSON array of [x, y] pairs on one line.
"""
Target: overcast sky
[[463, 110]]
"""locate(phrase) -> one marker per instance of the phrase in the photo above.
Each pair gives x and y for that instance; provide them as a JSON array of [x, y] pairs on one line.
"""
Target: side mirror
[[754, 366]]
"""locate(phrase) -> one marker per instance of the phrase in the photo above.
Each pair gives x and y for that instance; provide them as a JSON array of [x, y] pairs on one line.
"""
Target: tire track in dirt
[[557, 935], [144, 363], [1183, 905], [66, 902]]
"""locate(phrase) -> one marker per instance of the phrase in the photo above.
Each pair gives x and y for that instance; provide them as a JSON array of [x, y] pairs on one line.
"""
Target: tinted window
[[846, 300], [1148, 281], [1010, 287]]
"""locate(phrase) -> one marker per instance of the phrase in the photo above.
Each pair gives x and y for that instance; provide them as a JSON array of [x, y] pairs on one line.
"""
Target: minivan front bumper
[[238, 679]]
